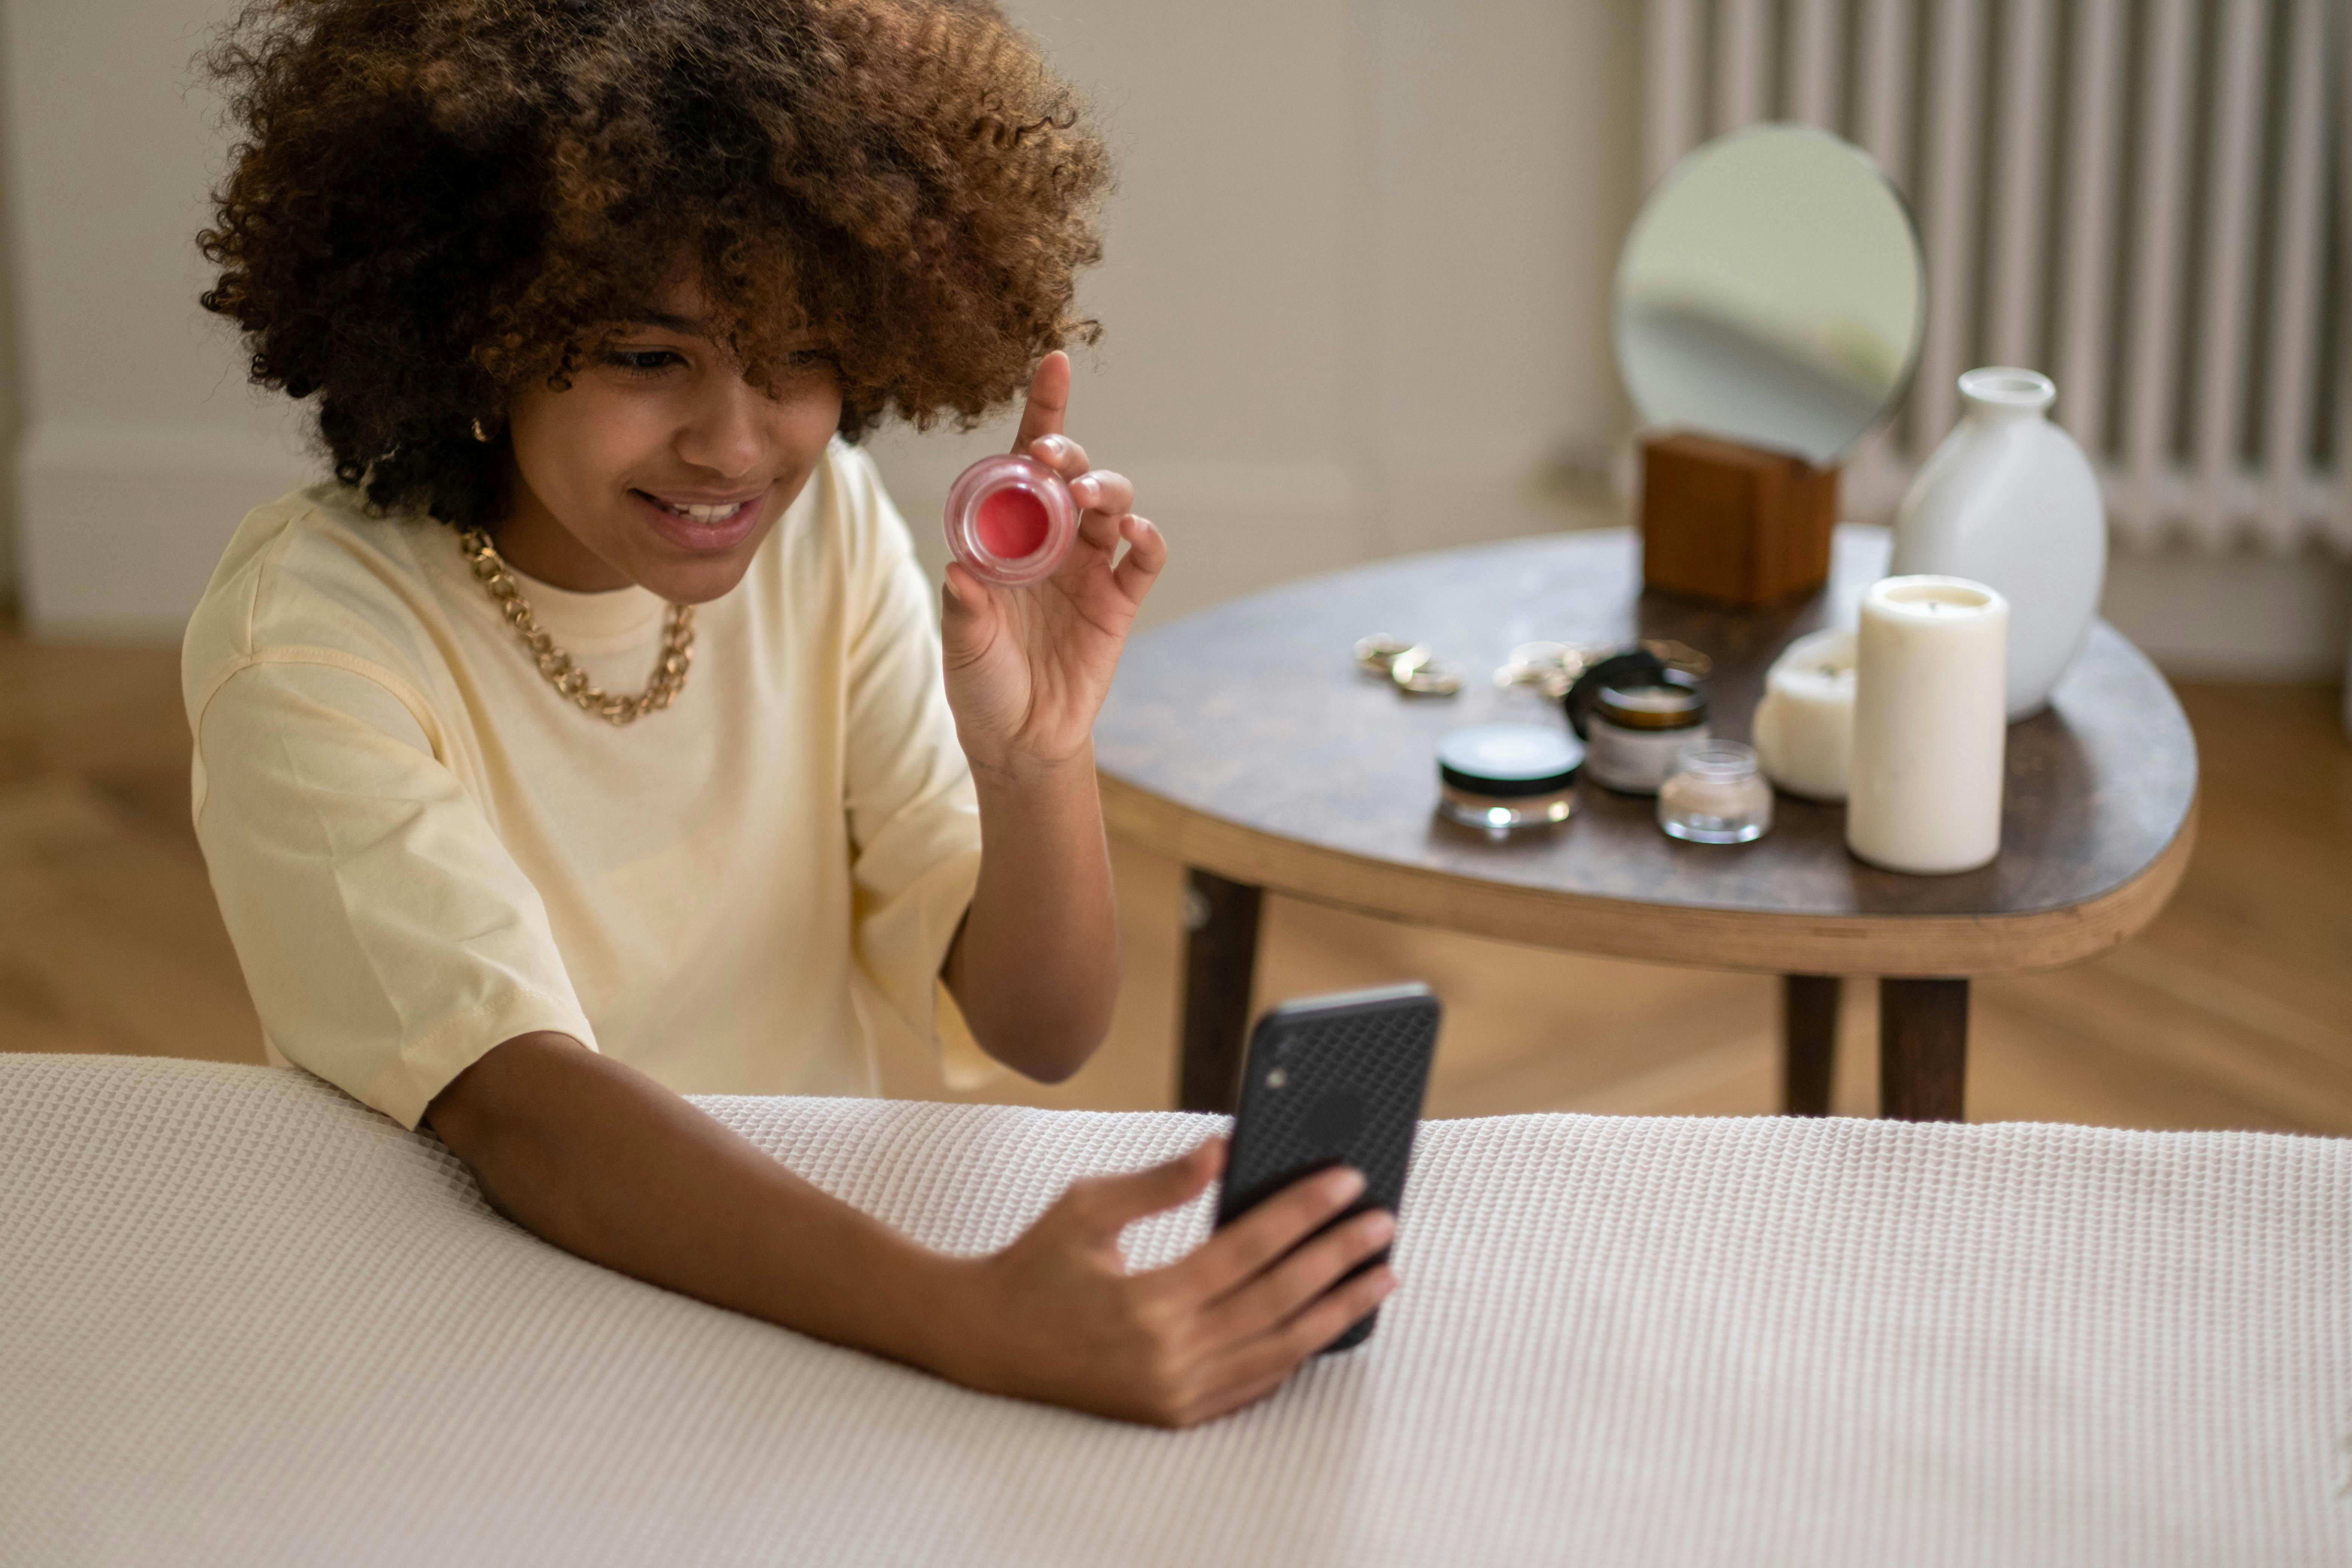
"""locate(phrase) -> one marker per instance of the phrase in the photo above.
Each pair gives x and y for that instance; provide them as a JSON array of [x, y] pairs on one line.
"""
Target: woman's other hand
[[1027, 666], [1056, 1317]]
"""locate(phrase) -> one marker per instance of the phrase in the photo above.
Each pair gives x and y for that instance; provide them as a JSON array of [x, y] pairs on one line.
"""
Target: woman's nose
[[724, 432]]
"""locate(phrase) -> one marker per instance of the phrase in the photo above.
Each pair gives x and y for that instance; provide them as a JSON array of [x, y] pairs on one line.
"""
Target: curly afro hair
[[433, 200]]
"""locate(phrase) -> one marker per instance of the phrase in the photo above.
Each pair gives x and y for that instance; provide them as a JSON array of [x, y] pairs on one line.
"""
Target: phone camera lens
[[1277, 1078]]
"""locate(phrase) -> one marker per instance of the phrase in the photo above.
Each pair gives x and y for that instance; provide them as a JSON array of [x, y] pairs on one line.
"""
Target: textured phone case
[[1333, 1081]]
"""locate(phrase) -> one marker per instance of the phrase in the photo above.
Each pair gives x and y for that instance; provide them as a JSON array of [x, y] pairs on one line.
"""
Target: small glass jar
[[1502, 777], [1715, 795], [1634, 733], [1010, 519]]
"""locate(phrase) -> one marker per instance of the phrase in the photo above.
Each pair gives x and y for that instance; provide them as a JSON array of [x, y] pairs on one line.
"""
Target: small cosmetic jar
[[1634, 734], [1499, 777], [1010, 519], [1715, 795]]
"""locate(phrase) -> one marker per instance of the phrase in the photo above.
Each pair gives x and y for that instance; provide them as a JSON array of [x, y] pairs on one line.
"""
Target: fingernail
[[1085, 492], [1057, 446], [1344, 1184], [1379, 1225]]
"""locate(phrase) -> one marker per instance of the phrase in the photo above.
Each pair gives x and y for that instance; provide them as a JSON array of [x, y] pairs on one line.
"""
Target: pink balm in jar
[[1010, 519]]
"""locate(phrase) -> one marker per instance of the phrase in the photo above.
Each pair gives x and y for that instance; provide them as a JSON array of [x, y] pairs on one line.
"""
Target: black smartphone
[[1333, 1081]]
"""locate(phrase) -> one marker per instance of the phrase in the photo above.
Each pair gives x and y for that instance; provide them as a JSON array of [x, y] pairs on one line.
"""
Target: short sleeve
[[914, 820], [387, 936]]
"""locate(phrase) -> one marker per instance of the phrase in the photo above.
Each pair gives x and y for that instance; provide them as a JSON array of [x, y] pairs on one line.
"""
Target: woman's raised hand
[[1027, 666], [1056, 1317]]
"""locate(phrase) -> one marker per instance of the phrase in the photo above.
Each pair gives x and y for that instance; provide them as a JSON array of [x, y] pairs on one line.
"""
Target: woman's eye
[[641, 362]]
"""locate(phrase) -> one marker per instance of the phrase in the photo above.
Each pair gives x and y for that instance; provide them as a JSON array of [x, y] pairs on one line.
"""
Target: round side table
[[1243, 743]]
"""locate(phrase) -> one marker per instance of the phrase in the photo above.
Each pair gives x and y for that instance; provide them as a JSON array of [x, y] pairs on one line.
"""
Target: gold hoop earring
[[480, 434]]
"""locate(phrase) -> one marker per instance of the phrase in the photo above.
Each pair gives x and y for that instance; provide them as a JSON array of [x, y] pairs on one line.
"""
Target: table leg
[[1923, 1050], [1220, 960], [1808, 1022]]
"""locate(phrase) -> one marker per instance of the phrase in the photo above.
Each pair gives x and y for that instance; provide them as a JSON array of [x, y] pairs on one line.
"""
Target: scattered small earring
[[1412, 666], [1553, 666], [480, 434]]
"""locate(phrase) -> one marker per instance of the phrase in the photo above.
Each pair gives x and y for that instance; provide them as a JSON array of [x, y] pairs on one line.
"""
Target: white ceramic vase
[[2010, 501]]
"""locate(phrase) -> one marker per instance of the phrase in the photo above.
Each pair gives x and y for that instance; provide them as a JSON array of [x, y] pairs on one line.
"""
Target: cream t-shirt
[[421, 850]]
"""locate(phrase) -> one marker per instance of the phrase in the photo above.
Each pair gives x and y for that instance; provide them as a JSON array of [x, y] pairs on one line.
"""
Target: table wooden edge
[[1774, 944]]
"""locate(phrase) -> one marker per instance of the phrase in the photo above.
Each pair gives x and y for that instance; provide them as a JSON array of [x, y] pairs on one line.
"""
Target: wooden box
[[1727, 524]]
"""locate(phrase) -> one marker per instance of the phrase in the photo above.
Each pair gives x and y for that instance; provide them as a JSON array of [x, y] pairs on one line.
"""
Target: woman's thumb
[[1114, 1203]]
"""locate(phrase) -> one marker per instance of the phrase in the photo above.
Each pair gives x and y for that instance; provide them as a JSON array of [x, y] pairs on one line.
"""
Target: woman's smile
[[703, 525]]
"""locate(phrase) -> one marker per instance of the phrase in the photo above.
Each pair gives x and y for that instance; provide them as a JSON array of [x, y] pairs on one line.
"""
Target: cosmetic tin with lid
[[1634, 732], [1010, 519], [1500, 777]]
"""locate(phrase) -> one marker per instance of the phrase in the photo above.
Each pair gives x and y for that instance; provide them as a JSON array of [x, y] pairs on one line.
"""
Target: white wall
[[8, 375], [142, 446], [1355, 295], [11, 401]]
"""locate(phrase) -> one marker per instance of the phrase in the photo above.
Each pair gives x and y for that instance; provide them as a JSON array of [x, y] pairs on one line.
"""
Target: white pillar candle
[[1930, 725], [1805, 726]]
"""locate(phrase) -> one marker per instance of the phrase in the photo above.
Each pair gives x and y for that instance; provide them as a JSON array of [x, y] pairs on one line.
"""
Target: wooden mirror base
[[1728, 524]]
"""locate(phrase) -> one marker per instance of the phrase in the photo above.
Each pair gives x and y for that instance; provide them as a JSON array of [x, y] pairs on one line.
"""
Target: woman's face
[[660, 465]]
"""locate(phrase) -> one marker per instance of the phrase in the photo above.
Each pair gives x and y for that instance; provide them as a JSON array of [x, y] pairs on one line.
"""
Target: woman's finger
[[1334, 1313], [1061, 454], [1242, 1250], [1239, 1396], [1278, 1354], [1104, 490], [1280, 1293], [1105, 1206], [964, 589], [1101, 528], [964, 609], [1147, 553], [1048, 401], [1262, 1364]]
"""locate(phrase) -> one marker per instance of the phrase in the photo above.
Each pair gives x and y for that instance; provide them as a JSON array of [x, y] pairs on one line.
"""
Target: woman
[[593, 301]]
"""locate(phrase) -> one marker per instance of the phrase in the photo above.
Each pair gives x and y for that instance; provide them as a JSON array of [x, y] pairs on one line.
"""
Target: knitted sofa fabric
[[244, 1320]]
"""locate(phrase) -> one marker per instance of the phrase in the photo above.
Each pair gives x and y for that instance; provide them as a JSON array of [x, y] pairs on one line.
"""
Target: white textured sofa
[[243, 1320]]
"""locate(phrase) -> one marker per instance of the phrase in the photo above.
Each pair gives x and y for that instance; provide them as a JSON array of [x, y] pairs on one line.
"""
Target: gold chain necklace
[[670, 671]]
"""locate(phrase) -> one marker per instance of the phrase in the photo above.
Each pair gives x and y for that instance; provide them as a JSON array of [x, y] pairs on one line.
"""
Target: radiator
[[2141, 197]]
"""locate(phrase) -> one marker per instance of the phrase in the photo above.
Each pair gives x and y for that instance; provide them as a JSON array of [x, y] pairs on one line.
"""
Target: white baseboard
[[118, 528], [2236, 616]]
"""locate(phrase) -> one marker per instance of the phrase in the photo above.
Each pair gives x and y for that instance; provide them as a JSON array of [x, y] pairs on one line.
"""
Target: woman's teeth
[[701, 514]]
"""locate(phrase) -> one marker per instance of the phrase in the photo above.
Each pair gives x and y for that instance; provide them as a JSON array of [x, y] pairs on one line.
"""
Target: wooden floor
[[2234, 1009]]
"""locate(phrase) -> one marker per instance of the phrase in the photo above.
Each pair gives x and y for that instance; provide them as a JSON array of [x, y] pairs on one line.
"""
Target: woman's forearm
[[1035, 970], [606, 1163], [603, 1162]]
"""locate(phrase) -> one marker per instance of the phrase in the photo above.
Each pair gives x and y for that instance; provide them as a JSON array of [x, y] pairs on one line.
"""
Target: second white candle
[[1930, 725], [1804, 727]]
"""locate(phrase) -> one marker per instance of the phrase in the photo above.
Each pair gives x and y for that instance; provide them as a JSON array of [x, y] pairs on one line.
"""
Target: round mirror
[[1773, 292]]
